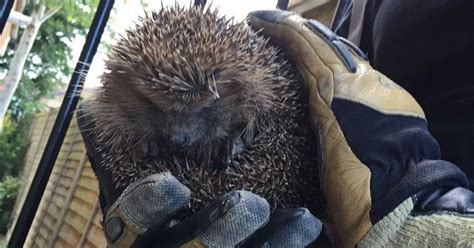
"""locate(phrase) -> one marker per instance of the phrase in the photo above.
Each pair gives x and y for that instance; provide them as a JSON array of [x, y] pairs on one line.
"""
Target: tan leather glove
[[375, 146]]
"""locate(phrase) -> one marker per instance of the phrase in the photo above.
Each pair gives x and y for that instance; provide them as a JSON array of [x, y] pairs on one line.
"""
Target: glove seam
[[442, 212]]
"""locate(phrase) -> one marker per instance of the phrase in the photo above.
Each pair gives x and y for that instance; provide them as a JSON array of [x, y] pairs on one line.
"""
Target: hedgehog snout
[[184, 134], [181, 139]]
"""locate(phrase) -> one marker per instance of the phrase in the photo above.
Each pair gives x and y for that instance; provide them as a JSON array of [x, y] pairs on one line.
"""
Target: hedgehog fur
[[211, 101]]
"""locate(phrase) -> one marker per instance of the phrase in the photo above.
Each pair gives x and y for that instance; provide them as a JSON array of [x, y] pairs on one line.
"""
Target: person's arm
[[404, 41], [382, 175]]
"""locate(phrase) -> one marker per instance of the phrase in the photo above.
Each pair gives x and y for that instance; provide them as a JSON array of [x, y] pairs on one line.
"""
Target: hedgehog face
[[187, 91], [195, 82]]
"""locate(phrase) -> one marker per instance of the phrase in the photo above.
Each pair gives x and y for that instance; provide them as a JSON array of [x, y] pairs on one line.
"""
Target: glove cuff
[[419, 176], [401, 228]]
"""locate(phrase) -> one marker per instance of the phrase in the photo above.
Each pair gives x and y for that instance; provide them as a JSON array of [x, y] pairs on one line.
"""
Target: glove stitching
[[442, 212], [378, 108]]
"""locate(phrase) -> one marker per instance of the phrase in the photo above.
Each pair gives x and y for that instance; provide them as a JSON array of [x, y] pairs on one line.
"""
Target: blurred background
[[39, 47]]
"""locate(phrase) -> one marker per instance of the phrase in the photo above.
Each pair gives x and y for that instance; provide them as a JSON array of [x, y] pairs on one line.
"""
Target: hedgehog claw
[[233, 151]]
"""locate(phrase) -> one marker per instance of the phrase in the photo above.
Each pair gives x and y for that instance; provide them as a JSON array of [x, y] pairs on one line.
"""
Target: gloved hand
[[145, 213], [381, 166]]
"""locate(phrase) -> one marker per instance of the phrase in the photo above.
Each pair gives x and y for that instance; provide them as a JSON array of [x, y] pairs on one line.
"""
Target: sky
[[128, 11]]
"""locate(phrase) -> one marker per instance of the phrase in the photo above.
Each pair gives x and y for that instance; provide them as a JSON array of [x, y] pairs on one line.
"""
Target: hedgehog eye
[[182, 92], [216, 73], [187, 95]]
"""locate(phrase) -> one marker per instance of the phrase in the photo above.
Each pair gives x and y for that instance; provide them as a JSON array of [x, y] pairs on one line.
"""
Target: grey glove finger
[[151, 200], [240, 222], [295, 227], [225, 222], [299, 232]]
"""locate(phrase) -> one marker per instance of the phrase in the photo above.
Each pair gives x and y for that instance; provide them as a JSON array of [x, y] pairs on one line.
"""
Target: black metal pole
[[282, 4], [61, 124], [5, 8], [200, 3]]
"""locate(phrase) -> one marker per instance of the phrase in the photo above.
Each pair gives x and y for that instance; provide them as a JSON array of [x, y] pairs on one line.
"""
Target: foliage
[[14, 143], [49, 63], [46, 71], [9, 188]]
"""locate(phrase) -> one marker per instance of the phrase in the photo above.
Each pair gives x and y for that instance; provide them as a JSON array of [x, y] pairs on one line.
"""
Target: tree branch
[[19, 18], [50, 13]]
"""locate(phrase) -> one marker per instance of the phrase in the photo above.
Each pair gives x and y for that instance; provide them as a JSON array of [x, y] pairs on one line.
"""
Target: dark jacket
[[428, 48]]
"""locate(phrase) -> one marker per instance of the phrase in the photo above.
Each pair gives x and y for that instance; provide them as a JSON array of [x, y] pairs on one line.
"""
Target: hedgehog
[[211, 101]]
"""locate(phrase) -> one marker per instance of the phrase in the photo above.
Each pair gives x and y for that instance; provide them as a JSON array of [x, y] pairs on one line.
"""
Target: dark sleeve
[[427, 47]]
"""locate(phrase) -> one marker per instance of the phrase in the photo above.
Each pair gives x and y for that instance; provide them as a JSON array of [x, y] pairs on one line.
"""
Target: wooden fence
[[69, 214]]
